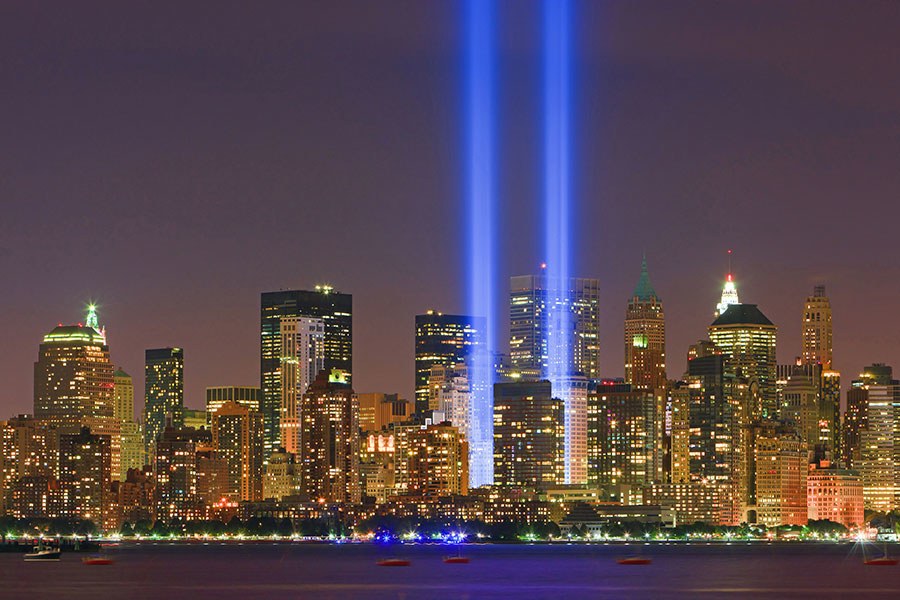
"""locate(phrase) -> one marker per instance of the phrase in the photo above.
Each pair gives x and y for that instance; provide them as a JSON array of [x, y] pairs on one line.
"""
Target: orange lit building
[[836, 495]]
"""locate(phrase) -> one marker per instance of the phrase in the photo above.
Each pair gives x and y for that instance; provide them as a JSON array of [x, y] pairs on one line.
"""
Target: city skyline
[[751, 139]]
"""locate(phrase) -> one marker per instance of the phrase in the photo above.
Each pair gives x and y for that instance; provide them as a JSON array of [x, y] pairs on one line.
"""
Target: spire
[[644, 290], [91, 320], [729, 291]]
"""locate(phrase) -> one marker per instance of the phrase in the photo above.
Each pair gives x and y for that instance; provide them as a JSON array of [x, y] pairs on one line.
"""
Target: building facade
[[163, 392], [442, 340], [237, 435], [329, 445], [529, 436], [336, 312], [645, 336]]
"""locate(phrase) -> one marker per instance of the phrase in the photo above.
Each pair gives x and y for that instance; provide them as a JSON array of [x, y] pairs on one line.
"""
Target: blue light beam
[[479, 20], [557, 203]]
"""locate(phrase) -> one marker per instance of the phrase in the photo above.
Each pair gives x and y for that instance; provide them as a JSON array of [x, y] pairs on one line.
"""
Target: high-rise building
[[529, 328], [123, 394], [163, 392], [800, 404], [431, 460], [73, 376], [645, 336], [336, 312], [28, 448], [624, 437], [781, 471], [442, 340], [836, 495], [245, 395], [718, 413], [175, 473], [85, 476], [529, 435], [747, 337], [856, 414], [329, 444], [237, 434], [302, 358], [817, 336], [879, 462]]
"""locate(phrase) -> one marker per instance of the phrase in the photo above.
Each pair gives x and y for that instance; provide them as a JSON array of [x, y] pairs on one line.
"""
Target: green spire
[[644, 290], [91, 320]]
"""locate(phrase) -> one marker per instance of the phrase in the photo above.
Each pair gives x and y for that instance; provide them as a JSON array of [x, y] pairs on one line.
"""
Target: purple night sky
[[172, 162]]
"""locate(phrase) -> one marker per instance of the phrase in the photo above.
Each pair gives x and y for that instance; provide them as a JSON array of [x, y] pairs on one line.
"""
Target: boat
[[634, 560], [97, 559], [41, 552], [456, 560], [880, 561], [393, 562]]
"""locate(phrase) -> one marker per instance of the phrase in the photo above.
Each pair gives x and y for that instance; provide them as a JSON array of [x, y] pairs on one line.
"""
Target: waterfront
[[259, 570]]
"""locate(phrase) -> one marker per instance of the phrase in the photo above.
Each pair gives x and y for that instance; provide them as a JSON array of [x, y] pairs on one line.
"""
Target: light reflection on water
[[251, 570]]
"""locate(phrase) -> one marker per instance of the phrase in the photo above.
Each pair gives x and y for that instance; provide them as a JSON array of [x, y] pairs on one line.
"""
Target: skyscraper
[[817, 336], [336, 312], [442, 340], [624, 437], [85, 475], [536, 314], [748, 338], [123, 409], [329, 443], [73, 376], [237, 434], [529, 435], [175, 473], [718, 408], [645, 336], [163, 392], [856, 415], [879, 462], [529, 328]]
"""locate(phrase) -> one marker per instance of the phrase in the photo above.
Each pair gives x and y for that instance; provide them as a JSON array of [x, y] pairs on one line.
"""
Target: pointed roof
[[644, 290]]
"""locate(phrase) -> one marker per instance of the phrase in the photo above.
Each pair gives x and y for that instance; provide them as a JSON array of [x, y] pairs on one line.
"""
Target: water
[[321, 571]]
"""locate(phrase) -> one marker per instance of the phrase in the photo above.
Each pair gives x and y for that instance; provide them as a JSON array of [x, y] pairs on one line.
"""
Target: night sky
[[173, 160]]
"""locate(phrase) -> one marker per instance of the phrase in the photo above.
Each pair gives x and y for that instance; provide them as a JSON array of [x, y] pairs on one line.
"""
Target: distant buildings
[[378, 411], [280, 359], [431, 460], [817, 333], [175, 473], [781, 467], [163, 392], [880, 449]]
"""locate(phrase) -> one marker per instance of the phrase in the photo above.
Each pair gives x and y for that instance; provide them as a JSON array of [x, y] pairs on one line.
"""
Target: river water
[[269, 570]]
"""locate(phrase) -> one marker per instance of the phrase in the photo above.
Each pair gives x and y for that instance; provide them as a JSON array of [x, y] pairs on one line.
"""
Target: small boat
[[880, 561], [456, 560], [97, 559], [393, 562], [634, 560], [41, 552]]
